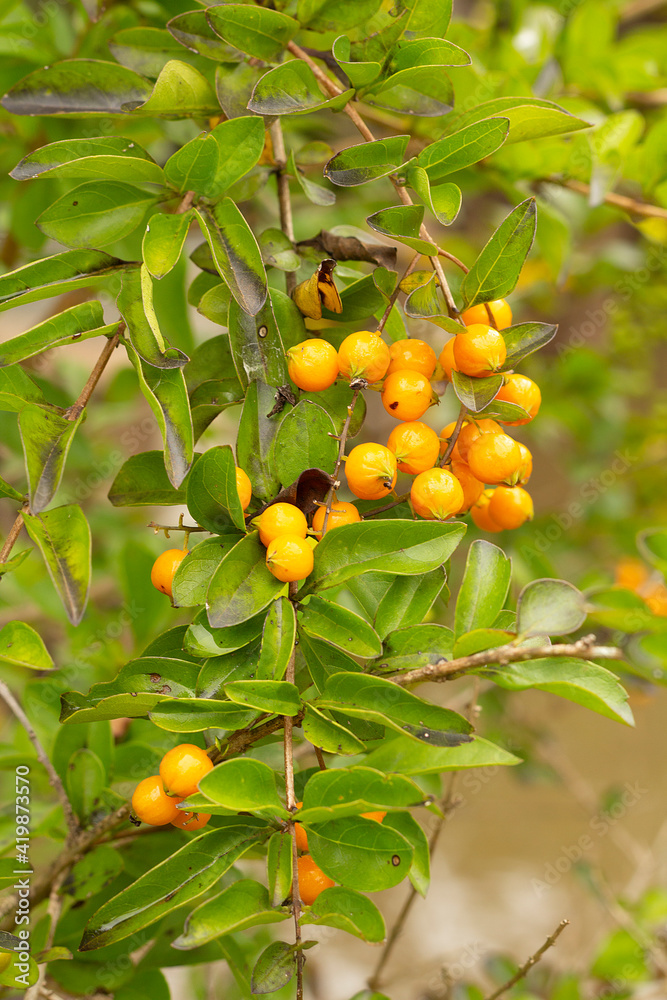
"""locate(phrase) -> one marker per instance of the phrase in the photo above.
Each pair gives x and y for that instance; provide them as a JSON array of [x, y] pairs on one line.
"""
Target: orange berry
[[446, 359], [377, 816], [656, 599], [190, 820], [524, 392], [414, 355], [480, 351], [495, 458], [313, 365], [281, 519], [630, 573], [500, 310], [363, 355], [510, 506], [151, 804], [243, 487], [370, 471], [300, 835], [472, 488], [436, 494], [183, 767], [479, 512], [526, 468], [164, 569], [415, 446], [289, 558], [445, 435], [312, 880], [473, 429], [341, 513], [406, 395]]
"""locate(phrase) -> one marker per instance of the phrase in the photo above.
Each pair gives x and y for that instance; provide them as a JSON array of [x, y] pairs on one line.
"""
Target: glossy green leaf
[[274, 968], [255, 441], [194, 32], [420, 869], [497, 268], [360, 300], [107, 157], [180, 91], [336, 400], [348, 911], [80, 322], [240, 145], [277, 250], [7, 492], [192, 577], [415, 646], [257, 347], [305, 440], [278, 638], [193, 167], [63, 272], [426, 91], [85, 780], [529, 118], [463, 148], [444, 200], [135, 303], [351, 791], [46, 438], [323, 659], [334, 15], [22, 646], [484, 587], [202, 640], [80, 87], [403, 223], [326, 620], [360, 852], [62, 535], [243, 904], [276, 697], [212, 381], [314, 192], [182, 877], [234, 84], [367, 161], [142, 481], [95, 214], [236, 253], [212, 496], [328, 735], [359, 72], [476, 393], [423, 302], [244, 783], [480, 639], [425, 20], [407, 756], [138, 686], [258, 31], [292, 89], [242, 585], [163, 242], [196, 715], [394, 602], [524, 339], [279, 867], [429, 52], [549, 607]]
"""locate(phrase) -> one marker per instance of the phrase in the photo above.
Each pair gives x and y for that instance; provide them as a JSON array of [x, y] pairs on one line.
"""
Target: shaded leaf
[[360, 851], [180, 91], [191, 581], [335, 15], [242, 585], [274, 968], [278, 638], [80, 322], [244, 783], [407, 756], [144, 49], [463, 148], [196, 715], [257, 347], [255, 441], [142, 481], [328, 735], [476, 393], [63, 272], [420, 90], [62, 535], [135, 303], [22, 646], [326, 620], [292, 89], [236, 253], [367, 161], [95, 213], [212, 496], [444, 200], [46, 438], [257, 31], [496, 270], [243, 904], [279, 867], [305, 438], [163, 242], [524, 339], [402, 223], [549, 607], [275, 697], [348, 911], [415, 646], [80, 87], [194, 32], [529, 118], [484, 587]]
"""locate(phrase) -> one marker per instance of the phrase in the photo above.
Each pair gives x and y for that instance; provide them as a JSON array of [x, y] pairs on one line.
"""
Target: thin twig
[[533, 960], [455, 436], [186, 203], [54, 778], [394, 295], [454, 260], [10, 540], [388, 506], [320, 758], [339, 459], [75, 411], [611, 198], [175, 527], [54, 910], [291, 806], [284, 200]]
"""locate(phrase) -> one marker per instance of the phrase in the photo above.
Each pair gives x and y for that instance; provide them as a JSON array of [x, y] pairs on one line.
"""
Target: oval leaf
[[549, 607]]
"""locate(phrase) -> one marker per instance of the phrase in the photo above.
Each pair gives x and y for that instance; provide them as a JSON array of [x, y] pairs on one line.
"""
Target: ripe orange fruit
[[151, 804], [480, 351], [510, 506], [190, 820], [445, 435], [406, 395], [413, 355], [630, 574], [183, 767], [312, 880], [363, 355], [446, 359], [415, 445], [472, 488], [313, 365], [526, 468], [479, 512], [341, 512], [524, 392], [370, 471], [471, 430], [495, 458], [164, 569], [289, 558], [436, 494], [243, 487], [500, 310], [281, 519]]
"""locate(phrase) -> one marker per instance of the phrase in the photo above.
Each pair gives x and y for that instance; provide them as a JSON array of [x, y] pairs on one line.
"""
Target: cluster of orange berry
[[155, 799], [483, 456]]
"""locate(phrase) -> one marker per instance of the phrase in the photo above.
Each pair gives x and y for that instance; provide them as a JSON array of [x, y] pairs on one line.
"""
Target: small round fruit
[[289, 558], [510, 507], [281, 519], [500, 311], [446, 359], [312, 880], [243, 487], [494, 459], [479, 512], [300, 835], [445, 436], [436, 494], [471, 430], [190, 820], [183, 767], [656, 599], [630, 573], [341, 513], [406, 395], [363, 355], [415, 445], [370, 471], [413, 355], [526, 468], [164, 569], [472, 488], [480, 351], [313, 365], [524, 392], [151, 804]]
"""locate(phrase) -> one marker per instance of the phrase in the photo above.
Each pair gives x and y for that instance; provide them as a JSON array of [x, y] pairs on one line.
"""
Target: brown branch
[[11, 538], [240, 740], [284, 201], [388, 506], [186, 203], [292, 807], [533, 960], [75, 411], [394, 295], [55, 907], [176, 527], [339, 459], [455, 436], [454, 260], [621, 201]]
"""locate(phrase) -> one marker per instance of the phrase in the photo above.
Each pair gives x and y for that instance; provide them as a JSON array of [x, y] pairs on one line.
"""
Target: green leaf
[[415, 646], [22, 646], [407, 756], [257, 347], [163, 242], [480, 639], [80, 322], [279, 867], [274, 968], [174, 882], [276, 697], [381, 701], [196, 715], [420, 90], [46, 438], [95, 213], [328, 735], [7, 492], [107, 158], [135, 303], [497, 268], [360, 852], [212, 382], [84, 782], [549, 607], [423, 20], [292, 89], [145, 50], [394, 602], [62, 535], [403, 223], [476, 393], [236, 253], [255, 441], [484, 587], [93, 872], [14, 562], [498, 409], [212, 496], [139, 685], [524, 339], [420, 869], [257, 31], [142, 481], [194, 32], [241, 586], [336, 400], [360, 300], [63, 272], [462, 149], [193, 167], [240, 145], [277, 250], [336, 793], [652, 543], [529, 118], [429, 52], [367, 161], [314, 192], [278, 638], [234, 83], [180, 91], [244, 783], [238, 664], [326, 620], [348, 911], [423, 303], [305, 440], [359, 72], [444, 201], [335, 15], [81, 87], [323, 659], [243, 904], [193, 576], [402, 547]]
